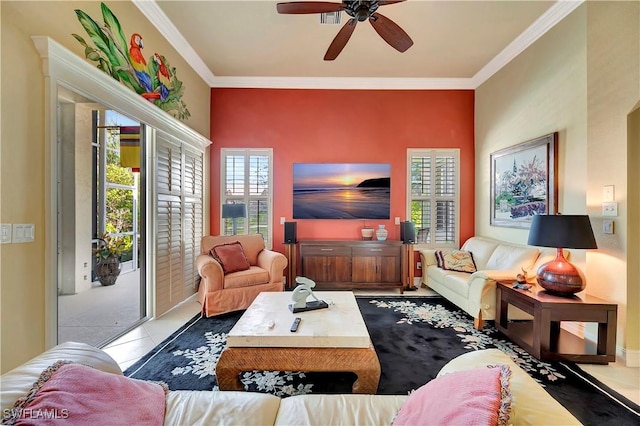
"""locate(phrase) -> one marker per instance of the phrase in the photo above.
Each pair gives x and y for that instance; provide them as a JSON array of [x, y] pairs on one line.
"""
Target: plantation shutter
[[433, 196], [193, 217], [179, 221]]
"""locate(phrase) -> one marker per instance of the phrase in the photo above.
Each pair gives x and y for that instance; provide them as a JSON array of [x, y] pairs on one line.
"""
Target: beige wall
[[22, 171], [580, 79]]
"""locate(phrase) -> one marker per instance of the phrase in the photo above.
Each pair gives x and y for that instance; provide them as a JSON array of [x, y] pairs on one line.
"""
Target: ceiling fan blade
[[384, 3], [391, 32], [340, 40], [301, 7]]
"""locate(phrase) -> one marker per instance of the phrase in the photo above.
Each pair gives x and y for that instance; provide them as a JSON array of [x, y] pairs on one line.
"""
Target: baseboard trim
[[631, 357]]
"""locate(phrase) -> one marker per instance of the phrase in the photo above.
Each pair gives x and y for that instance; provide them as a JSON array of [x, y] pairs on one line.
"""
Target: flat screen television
[[341, 191]]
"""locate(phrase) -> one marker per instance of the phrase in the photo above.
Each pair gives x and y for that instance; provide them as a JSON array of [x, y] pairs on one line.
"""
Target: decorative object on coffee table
[[561, 231], [300, 295]]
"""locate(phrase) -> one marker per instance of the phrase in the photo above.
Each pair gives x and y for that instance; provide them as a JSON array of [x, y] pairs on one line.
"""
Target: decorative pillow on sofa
[[478, 397], [231, 256], [456, 260], [73, 394]]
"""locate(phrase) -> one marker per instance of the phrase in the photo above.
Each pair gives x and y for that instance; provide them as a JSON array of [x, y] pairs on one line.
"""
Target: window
[[247, 179], [433, 196]]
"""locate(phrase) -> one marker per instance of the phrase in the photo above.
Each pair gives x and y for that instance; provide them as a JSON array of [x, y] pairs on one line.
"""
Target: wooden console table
[[352, 264], [543, 338]]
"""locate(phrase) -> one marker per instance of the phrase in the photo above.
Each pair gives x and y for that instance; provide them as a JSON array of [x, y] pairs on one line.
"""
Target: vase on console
[[367, 233], [381, 233]]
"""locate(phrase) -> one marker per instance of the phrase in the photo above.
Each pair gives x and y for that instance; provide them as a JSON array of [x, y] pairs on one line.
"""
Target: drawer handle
[[375, 249], [326, 249]]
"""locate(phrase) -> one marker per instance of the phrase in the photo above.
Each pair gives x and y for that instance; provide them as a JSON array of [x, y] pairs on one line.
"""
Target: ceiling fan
[[359, 11]]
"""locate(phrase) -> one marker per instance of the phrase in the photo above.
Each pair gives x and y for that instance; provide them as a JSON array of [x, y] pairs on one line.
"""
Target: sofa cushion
[[512, 257], [349, 409], [221, 408], [231, 256], [454, 281], [456, 260], [479, 397], [78, 394], [247, 278], [482, 248]]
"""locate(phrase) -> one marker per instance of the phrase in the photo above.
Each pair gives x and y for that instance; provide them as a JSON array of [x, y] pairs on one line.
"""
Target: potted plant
[[108, 254]]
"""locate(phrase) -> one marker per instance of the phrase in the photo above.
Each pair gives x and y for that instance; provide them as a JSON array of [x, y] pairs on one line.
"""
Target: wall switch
[[608, 194], [419, 265], [397, 221], [23, 232], [5, 233], [282, 219], [607, 226]]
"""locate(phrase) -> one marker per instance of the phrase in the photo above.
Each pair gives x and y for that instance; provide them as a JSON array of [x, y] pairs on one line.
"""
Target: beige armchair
[[228, 282]]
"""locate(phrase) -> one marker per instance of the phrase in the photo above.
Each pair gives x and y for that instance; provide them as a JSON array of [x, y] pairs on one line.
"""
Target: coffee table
[[327, 340]]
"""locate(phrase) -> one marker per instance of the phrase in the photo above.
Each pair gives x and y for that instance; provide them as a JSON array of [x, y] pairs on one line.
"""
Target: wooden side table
[[542, 336]]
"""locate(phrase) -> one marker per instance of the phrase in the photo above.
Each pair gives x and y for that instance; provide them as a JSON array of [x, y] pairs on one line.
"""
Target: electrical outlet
[[419, 265], [397, 221], [282, 219]]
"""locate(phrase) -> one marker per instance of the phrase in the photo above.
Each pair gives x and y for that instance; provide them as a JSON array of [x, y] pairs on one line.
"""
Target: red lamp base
[[561, 277]]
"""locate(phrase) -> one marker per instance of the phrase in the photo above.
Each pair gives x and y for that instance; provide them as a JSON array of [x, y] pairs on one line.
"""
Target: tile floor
[[130, 347]]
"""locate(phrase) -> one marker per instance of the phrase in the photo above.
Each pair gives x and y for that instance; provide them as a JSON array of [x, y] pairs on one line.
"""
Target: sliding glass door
[[101, 285]]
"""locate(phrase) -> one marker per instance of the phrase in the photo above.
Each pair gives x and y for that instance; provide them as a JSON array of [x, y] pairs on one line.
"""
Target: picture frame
[[523, 182]]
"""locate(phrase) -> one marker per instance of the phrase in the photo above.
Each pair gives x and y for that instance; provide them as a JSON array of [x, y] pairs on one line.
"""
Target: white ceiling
[[457, 44]]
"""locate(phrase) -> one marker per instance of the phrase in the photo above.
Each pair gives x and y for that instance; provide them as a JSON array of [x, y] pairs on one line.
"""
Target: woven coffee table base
[[361, 361]]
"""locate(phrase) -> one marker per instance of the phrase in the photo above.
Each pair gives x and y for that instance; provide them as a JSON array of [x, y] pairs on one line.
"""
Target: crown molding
[[163, 24], [344, 83], [556, 13]]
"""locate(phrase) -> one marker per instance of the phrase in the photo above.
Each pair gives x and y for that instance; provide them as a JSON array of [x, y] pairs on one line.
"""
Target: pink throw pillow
[[471, 397], [76, 394], [231, 256]]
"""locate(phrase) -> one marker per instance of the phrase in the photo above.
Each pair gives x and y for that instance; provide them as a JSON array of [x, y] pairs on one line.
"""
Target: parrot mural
[[138, 62], [152, 78]]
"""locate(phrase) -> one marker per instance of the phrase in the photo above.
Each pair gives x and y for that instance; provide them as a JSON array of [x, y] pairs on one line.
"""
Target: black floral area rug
[[413, 337]]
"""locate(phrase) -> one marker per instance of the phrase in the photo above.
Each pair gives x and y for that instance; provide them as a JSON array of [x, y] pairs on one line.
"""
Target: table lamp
[[561, 231], [233, 212]]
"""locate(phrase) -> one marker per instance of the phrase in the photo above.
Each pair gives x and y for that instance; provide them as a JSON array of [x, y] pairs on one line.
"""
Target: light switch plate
[[23, 232], [397, 221], [608, 194], [609, 209], [5, 233], [607, 226]]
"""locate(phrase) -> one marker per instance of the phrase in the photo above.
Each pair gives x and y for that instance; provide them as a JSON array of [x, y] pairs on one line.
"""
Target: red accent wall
[[336, 126]]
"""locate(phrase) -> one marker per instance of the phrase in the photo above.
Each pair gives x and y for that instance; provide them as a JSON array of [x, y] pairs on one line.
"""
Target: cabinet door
[[390, 269], [327, 268], [366, 269]]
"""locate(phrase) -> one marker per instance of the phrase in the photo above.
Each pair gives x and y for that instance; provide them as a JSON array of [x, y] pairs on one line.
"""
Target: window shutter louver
[[179, 221]]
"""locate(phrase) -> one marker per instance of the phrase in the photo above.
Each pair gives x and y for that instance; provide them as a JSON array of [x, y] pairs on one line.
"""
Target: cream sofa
[[495, 260], [531, 403]]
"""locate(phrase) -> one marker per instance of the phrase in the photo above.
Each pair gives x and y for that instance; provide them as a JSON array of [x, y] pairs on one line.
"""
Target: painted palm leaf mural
[[122, 58]]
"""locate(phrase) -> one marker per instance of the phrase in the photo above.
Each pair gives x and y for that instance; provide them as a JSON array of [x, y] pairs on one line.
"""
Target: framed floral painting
[[523, 182]]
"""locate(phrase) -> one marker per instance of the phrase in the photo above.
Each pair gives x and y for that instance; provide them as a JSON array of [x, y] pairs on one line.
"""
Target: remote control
[[296, 323]]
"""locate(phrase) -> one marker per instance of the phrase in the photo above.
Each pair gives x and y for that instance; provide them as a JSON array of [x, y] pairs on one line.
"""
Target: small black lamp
[[561, 231], [233, 212]]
